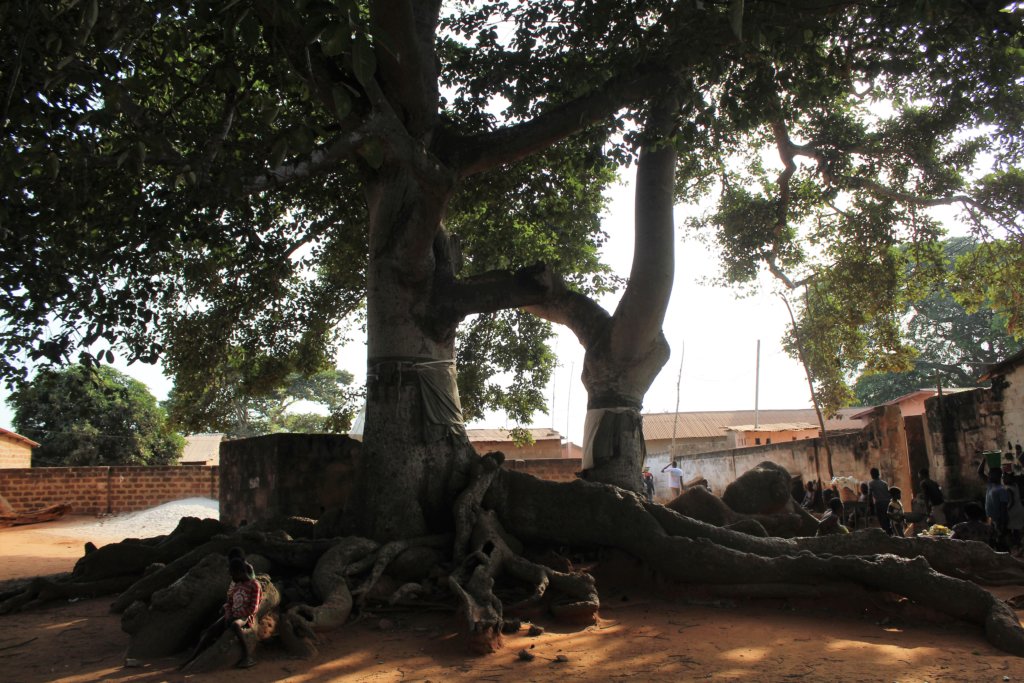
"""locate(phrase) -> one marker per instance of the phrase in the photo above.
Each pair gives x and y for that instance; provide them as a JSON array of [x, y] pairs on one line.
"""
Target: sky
[[711, 331]]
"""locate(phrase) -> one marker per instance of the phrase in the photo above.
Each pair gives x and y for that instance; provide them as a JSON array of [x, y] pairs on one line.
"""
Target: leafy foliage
[[189, 179], [952, 346], [83, 416], [230, 402]]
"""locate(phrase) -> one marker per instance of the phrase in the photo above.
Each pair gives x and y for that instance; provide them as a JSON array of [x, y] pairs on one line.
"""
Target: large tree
[[101, 416], [245, 175], [954, 346], [226, 401]]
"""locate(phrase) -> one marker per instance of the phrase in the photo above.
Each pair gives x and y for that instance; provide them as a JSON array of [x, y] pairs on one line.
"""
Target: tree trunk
[[623, 360], [413, 462]]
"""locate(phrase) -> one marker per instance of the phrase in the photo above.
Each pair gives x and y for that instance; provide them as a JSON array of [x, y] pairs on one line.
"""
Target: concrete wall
[[553, 469], [14, 454], [539, 449], [688, 446], [99, 490], [881, 444], [1013, 406], [285, 475], [956, 427]]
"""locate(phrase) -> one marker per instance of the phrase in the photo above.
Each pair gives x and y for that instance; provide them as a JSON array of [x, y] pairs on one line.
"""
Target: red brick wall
[[552, 469], [97, 490]]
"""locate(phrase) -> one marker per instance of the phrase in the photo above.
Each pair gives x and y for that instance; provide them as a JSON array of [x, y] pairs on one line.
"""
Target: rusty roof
[[538, 434], [713, 423], [777, 427], [14, 436]]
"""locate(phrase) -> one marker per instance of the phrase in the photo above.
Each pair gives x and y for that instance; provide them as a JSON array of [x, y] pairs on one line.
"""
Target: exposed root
[[685, 550], [489, 557]]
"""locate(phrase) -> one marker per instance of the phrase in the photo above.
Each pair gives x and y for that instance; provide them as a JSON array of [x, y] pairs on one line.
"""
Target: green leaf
[[277, 152], [342, 101], [335, 39], [364, 61], [52, 165]]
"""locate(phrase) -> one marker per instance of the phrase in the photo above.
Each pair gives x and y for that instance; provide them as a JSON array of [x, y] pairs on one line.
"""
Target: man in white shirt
[[675, 478]]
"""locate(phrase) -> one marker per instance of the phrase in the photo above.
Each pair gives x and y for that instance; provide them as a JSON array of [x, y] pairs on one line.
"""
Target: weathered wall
[[1013, 406], [956, 427], [285, 475], [853, 455], [553, 469], [684, 447], [538, 450], [99, 490], [14, 454]]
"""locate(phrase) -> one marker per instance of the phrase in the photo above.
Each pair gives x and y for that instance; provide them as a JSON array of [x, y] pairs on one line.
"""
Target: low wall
[[105, 490], [285, 475], [853, 454], [552, 469], [957, 426]]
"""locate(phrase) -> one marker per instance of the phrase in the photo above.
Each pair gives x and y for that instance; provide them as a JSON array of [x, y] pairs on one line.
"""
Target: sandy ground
[[639, 637]]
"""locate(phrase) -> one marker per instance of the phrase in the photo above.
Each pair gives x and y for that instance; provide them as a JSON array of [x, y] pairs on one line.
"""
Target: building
[[1009, 374], [201, 449], [15, 450], [547, 443], [682, 434], [756, 435]]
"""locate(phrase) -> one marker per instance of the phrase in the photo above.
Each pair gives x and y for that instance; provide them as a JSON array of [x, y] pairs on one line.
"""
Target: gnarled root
[[490, 556], [688, 551]]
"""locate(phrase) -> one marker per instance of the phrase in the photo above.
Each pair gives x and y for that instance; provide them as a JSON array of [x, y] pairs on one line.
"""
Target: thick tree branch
[[641, 311], [511, 143], [536, 288], [319, 161], [406, 61]]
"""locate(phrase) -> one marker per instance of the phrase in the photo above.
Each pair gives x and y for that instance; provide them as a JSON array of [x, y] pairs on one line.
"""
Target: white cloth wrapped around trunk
[[590, 427]]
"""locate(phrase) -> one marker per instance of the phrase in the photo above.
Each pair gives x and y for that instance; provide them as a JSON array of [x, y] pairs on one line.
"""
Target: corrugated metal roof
[[713, 423], [538, 434], [777, 427]]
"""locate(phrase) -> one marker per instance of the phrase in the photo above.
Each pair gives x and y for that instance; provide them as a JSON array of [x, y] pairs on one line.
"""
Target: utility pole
[[675, 415], [757, 383]]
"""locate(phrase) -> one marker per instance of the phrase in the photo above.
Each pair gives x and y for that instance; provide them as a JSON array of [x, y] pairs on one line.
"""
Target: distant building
[[15, 450], [910, 405], [682, 434], [547, 443], [201, 449], [740, 436]]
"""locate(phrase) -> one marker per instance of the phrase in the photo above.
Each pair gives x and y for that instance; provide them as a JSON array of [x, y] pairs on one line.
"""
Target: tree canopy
[[227, 402], [954, 347], [195, 174], [100, 416]]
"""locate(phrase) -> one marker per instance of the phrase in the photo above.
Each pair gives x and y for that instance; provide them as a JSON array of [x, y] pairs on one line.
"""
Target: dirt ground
[[640, 637]]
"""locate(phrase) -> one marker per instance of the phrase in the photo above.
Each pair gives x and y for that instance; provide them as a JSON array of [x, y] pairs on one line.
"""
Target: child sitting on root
[[238, 612]]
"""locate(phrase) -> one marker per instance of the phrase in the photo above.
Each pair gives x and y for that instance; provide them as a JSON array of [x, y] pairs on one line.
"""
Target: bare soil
[[645, 633]]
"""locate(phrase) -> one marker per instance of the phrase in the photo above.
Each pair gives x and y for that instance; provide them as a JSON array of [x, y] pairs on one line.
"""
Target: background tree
[[953, 346], [99, 416], [229, 402]]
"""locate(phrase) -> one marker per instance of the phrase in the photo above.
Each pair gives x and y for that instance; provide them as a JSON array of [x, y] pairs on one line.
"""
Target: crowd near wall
[[105, 490]]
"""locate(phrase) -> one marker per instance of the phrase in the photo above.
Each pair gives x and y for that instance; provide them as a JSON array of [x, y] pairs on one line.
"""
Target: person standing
[[648, 484], [879, 491], [675, 478], [895, 513]]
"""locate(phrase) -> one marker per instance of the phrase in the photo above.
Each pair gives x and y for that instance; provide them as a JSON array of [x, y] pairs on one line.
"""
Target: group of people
[[877, 499]]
